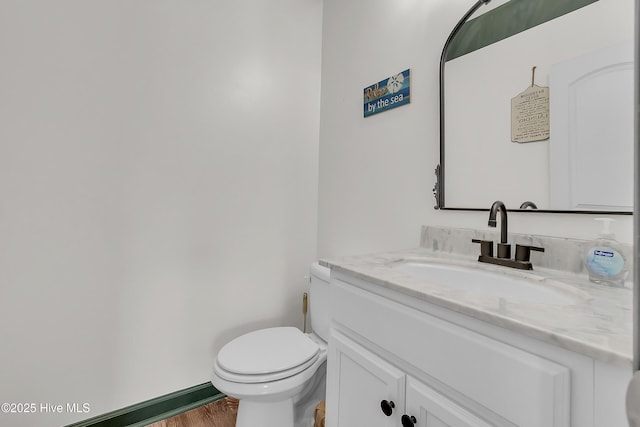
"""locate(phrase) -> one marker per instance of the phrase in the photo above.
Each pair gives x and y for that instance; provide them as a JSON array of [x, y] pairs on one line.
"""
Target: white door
[[428, 408], [591, 142], [358, 382]]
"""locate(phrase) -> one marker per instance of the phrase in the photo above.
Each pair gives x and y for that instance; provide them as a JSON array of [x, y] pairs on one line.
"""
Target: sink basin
[[487, 283]]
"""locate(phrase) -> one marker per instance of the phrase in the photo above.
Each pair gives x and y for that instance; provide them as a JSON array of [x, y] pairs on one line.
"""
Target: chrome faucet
[[523, 252]]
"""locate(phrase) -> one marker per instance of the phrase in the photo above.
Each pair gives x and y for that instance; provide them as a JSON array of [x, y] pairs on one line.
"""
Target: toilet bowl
[[278, 373]]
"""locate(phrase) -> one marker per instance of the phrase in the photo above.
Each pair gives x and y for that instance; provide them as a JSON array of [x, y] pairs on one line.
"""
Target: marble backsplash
[[559, 253]]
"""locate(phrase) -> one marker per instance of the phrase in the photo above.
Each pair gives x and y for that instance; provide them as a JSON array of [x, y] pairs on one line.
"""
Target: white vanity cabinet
[[440, 368], [428, 408], [371, 392], [362, 383]]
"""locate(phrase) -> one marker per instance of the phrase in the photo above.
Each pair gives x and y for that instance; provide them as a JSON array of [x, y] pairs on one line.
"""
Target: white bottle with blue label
[[603, 259]]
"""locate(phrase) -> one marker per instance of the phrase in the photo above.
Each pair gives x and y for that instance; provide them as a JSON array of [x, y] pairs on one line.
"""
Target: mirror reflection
[[585, 63]]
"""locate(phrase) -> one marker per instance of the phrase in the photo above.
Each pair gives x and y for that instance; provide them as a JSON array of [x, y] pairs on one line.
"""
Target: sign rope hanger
[[530, 113]]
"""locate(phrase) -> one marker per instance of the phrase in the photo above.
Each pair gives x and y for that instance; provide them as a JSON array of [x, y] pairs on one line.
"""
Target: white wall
[[376, 174], [158, 188]]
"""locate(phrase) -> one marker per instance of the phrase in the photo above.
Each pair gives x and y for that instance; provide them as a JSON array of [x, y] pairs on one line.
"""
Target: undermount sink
[[486, 283]]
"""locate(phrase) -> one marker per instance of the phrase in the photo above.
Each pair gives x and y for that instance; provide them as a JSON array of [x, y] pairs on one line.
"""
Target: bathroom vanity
[[407, 349]]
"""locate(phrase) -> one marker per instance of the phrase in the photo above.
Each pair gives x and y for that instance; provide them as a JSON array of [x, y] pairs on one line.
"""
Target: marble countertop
[[599, 323]]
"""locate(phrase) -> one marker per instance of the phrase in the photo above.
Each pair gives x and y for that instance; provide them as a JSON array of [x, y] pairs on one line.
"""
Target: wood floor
[[221, 413]]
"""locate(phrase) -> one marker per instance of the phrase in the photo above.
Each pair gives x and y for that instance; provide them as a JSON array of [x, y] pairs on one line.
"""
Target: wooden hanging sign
[[530, 113]]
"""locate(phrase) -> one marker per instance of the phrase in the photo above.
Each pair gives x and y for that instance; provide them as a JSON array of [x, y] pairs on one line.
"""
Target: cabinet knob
[[408, 421], [387, 407]]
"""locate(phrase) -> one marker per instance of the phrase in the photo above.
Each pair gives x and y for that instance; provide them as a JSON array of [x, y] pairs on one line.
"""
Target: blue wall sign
[[388, 93]]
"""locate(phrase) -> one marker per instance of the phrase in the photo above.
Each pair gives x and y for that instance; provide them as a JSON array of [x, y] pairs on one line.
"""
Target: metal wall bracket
[[436, 188]]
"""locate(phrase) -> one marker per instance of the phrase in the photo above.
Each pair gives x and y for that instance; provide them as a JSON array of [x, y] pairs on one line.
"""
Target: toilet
[[278, 374]]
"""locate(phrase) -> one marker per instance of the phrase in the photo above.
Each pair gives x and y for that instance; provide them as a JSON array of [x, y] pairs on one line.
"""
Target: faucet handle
[[486, 247], [523, 252]]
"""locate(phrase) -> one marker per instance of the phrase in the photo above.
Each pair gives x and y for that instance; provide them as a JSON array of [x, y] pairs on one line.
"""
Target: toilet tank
[[319, 300]]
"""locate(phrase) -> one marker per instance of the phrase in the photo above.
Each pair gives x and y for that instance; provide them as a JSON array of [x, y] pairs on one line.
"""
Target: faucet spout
[[498, 206]]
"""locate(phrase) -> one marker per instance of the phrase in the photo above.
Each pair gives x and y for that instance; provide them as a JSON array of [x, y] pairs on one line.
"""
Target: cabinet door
[[357, 383], [431, 409]]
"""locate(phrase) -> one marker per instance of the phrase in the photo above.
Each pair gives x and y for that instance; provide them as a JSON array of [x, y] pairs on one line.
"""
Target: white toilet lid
[[262, 378], [268, 351]]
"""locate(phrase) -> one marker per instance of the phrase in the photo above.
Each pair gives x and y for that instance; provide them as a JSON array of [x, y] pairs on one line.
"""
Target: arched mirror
[[509, 65]]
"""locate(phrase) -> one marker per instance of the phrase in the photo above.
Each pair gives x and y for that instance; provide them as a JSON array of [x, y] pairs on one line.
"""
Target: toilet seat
[[263, 378], [282, 352]]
